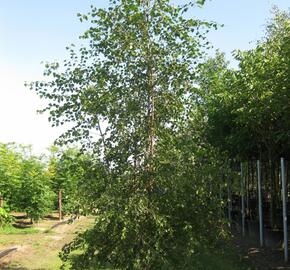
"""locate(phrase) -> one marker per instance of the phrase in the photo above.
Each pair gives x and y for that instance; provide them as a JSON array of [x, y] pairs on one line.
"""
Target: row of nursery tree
[[246, 110], [164, 126], [38, 185]]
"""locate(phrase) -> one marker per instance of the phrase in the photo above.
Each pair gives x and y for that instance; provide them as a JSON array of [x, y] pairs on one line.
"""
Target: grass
[[221, 261], [40, 248], [13, 230], [218, 260]]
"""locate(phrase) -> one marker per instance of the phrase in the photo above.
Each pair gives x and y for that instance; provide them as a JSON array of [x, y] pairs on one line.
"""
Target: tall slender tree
[[133, 84]]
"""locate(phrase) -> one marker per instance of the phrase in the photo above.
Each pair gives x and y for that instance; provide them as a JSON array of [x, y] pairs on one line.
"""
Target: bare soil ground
[[39, 250], [259, 258]]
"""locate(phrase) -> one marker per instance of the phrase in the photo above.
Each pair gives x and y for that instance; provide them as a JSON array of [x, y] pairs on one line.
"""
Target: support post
[[284, 193], [242, 200], [229, 202], [261, 226], [246, 185], [60, 205]]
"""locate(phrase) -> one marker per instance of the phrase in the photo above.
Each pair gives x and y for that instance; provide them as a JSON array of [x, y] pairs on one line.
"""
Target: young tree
[[67, 169], [34, 195], [133, 85], [10, 170], [23, 182]]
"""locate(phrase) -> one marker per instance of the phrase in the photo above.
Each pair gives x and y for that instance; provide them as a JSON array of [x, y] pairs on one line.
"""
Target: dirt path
[[40, 250]]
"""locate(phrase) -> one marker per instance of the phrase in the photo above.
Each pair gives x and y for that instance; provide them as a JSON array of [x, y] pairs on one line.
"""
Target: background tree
[[69, 174], [24, 184], [247, 109], [34, 194], [10, 170]]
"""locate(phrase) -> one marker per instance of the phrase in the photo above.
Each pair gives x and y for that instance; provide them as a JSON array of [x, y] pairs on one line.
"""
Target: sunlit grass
[[13, 230]]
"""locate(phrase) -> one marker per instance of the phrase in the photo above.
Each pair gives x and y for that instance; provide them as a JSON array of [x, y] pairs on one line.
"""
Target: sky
[[34, 31]]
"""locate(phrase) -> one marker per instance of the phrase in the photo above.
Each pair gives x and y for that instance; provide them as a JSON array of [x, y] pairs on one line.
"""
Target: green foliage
[[248, 109], [34, 195], [70, 171], [24, 184], [5, 218], [133, 231], [30, 183], [70, 174], [245, 112], [10, 170]]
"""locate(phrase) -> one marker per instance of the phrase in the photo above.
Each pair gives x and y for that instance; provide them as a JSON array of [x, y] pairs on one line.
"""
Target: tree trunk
[[151, 97], [59, 205], [150, 82]]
